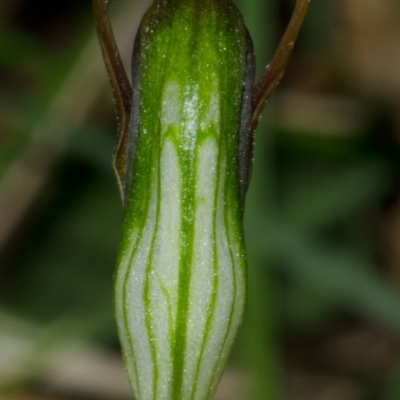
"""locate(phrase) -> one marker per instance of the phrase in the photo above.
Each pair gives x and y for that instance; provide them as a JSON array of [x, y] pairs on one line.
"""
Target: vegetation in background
[[322, 217]]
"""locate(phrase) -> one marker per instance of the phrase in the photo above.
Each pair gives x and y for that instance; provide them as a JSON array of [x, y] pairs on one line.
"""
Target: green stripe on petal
[[181, 273]]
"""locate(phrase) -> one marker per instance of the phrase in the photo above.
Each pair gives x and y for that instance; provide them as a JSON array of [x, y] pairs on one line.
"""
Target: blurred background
[[322, 219]]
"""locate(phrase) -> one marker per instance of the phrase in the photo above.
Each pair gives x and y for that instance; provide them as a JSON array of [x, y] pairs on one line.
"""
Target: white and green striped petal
[[183, 164], [180, 285]]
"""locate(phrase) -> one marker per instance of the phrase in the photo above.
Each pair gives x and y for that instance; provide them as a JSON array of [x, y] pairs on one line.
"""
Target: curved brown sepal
[[275, 69], [122, 90]]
